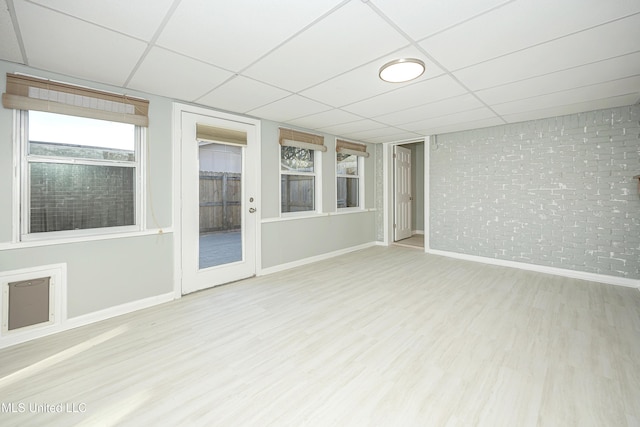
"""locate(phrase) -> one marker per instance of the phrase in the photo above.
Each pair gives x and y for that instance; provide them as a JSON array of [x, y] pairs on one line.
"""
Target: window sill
[[343, 211], [91, 238], [348, 211], [293, 217]]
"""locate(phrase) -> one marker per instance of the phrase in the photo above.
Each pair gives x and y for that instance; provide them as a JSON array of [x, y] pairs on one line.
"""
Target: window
[[299, 171], [78, 173], [297, 179], [349, 174], [80, 157]]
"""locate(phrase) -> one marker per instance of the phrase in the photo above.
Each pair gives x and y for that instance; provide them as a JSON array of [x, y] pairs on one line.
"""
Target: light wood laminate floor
[[386, 336]]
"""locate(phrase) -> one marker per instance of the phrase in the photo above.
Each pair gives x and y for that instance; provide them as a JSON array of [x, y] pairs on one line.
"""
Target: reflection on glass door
[[220, 204]]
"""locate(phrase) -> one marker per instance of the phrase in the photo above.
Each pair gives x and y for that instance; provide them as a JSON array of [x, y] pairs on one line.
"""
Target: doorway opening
[[406, 194]]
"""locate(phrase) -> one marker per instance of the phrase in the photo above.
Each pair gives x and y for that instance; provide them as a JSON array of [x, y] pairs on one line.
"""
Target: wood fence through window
[[220, 201]]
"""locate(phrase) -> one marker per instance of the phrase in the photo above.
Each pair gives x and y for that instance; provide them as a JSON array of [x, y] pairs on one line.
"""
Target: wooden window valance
[[220, 135], [295, 138], [352, 148], [33, 93]]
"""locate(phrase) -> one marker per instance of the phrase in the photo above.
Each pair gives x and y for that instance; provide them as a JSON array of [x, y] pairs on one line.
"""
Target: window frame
[[317, 169], [21, 118], [359, 177]]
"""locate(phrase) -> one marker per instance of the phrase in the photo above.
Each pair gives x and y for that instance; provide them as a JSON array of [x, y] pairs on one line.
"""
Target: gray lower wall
[[294, 240], [555, 192], [104, 273]]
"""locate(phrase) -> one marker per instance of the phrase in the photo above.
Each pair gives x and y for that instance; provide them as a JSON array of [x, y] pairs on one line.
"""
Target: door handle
[[252, 210]]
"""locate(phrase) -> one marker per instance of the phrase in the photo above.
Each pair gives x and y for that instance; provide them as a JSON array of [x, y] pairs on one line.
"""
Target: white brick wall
[[555, 192]]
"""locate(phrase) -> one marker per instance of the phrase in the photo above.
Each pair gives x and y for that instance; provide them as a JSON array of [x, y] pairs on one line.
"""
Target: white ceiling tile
[[627, 86], [325, 119], [62, 44], [408, 96], [385, 132], [9, 48], [139, 18], [353, 127], [602, 71], [289, 108], [433, 109], [233, 34], [304, 59], [473, 124], [420, 19], [396, 137], [346, 39], [241, 95], [180, 77], [363, 82], [553, 111], [511, 28], [579, 49], [450, 119]]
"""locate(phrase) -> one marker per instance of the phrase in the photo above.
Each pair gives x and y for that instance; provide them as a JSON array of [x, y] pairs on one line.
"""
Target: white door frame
[[388, 189], [178, 109]]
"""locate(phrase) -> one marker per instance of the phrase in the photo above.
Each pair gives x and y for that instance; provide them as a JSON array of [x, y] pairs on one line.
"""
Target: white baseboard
[[418, 232], [592, 277], [119, 310], [86, 319], [305, 261]]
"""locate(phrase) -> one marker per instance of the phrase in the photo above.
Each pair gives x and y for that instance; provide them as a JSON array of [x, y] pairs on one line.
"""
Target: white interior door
[[403, 198], [218, 201]]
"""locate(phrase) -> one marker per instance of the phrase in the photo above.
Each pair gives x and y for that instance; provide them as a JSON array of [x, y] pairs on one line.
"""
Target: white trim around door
[[388, 188], [188, 277]]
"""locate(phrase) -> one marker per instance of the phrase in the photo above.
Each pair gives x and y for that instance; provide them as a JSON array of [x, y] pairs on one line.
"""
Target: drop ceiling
[[314, 64]]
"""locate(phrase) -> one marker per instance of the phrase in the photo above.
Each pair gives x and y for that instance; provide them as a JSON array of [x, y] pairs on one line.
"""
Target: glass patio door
[[218, 206]]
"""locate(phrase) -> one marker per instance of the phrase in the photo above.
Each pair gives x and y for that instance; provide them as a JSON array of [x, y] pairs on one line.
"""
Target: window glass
[[80, 173], [348, 192], [293, 159], [347, 164], [348, 170], [78, 197], [69, 136], [297, 193]]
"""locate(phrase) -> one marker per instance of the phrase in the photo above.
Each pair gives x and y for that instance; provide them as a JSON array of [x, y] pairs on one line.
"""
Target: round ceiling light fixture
[[402, 70]]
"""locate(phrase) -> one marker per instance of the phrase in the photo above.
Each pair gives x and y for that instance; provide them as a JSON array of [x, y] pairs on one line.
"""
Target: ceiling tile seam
[[565, 90], [464, 21], [330, 107], [18, 32], [355, 68], [360, 117], [236, 75], [443, 115], [354, 135], [390, 91], [567, 105], [293, 36], [431, 58], [421, 105], [466, 110], [86, 21], [556, 71], [152, 42], [546, 42]]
